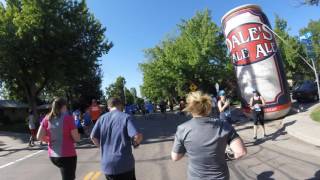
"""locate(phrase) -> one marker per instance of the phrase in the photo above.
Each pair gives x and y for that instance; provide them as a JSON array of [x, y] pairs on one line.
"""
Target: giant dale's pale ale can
[[257, 62]]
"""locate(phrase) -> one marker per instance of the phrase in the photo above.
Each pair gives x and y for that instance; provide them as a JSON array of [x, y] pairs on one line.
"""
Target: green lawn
[[315, 115]]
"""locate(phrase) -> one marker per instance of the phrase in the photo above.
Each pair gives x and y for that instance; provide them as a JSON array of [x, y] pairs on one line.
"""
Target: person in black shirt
[[257, 103]]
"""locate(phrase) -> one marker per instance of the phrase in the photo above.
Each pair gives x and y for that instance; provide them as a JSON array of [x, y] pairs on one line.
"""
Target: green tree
[[314, 28], [116, 89], [197, 55], [48, 45], [295, 68], [311, 2]]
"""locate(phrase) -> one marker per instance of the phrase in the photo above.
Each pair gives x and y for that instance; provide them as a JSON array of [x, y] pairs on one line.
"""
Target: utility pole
[[317, 77], [124, 92]]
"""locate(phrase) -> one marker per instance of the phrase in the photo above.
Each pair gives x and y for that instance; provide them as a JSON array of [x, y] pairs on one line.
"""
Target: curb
[[302, 127]]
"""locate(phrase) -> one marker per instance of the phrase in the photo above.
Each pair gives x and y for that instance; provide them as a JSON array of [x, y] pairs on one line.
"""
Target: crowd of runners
[[204, 138]]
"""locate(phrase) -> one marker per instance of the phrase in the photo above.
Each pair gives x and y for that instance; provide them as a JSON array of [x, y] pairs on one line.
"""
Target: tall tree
[[47, 45], [117, 89], [295, 68], [314, 29], [197, 55]]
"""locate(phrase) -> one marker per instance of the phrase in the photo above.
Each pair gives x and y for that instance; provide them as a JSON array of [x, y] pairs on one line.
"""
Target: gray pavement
[[303, 127], [279, 156]]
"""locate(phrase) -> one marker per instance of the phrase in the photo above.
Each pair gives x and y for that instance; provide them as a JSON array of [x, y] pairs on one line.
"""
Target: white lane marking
[[21, 159]]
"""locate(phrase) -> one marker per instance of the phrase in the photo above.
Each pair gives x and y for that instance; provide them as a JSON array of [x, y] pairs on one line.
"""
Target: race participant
[[59, 130], [32, 128], [257, 103], [115, 134], [224, 107], [77, 120], [95, 111], [87, 122], [205, 139]]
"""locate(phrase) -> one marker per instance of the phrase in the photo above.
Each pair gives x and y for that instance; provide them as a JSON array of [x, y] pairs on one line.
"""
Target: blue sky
[[136, 25]]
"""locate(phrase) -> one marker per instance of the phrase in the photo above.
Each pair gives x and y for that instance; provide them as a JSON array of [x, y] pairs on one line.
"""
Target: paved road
[[279, 156]]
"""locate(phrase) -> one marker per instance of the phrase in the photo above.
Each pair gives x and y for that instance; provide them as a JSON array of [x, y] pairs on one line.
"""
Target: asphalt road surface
[[279, 156]]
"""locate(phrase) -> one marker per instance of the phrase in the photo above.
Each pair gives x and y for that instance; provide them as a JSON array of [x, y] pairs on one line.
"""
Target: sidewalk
[[302, 127]]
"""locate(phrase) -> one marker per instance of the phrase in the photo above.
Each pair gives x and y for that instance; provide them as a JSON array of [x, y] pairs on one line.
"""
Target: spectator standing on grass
[[95, 111], [59, 130], [32, 127], [204, 140], [114, 133]]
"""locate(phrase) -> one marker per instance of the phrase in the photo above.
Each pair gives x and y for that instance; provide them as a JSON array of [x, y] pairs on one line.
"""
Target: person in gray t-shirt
[[204, 139]]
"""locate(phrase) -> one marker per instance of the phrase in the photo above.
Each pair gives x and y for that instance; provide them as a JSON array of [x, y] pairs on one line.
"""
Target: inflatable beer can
[[257, 63]]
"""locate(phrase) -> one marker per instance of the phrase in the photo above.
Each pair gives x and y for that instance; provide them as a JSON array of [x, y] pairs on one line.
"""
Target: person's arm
[[137, 139], [235, 142], [75, 135], [238, 148], [73, 129], [41, 134], [133, 132], [95, 134], [176, 156], [251, 103], [263, 101], [220, 107], [178, 149]]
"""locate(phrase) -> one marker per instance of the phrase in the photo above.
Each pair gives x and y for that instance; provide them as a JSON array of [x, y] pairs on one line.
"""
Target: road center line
[[89, 175], [21, 159]]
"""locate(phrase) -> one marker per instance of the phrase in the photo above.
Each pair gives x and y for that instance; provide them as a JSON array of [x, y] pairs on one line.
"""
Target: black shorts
[[258, 117], [67, 166], [130, 175]]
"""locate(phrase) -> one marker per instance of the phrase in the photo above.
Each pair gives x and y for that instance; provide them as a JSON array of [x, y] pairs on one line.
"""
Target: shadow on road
[[159, 127], [273, 136], [267, 175], [316, 176]]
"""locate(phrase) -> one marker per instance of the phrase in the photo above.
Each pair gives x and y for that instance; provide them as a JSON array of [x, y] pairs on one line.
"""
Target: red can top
[[234, 10]]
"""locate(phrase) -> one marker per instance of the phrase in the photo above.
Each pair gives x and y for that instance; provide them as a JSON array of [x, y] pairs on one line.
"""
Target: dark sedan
[[306, 91]]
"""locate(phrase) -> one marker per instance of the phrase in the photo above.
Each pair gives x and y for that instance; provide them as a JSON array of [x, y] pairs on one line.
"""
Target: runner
[[32, 128], [204, 139], [257, 103], [224, 107], [87, 122], [77, 120], [59, 130], [114, 134], [95, 111]]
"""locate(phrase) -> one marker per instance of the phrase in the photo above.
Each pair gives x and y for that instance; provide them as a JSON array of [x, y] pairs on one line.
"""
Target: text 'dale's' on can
[[257, 62]]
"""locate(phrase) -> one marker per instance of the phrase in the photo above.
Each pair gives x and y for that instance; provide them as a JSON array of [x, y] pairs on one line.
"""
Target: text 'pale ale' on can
[[257, 62]]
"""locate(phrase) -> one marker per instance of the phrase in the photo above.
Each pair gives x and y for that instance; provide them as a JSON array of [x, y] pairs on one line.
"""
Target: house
[[13, 111]]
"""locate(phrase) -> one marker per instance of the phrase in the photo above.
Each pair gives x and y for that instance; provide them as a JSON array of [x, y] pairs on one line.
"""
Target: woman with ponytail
[[59, 131], [204, 139]]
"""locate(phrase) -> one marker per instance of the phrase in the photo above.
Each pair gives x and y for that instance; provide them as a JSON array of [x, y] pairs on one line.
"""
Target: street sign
[[193, 87], [306, 40]]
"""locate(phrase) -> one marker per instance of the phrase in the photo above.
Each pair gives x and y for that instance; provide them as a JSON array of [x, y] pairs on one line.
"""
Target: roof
[[12, 104], [44, 106]]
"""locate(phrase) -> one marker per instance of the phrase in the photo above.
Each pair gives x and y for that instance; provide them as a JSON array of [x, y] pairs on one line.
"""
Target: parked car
[[306, 91]]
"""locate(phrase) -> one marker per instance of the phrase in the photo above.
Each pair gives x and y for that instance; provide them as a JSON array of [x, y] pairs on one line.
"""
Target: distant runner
[[32, 127], [95, 111]]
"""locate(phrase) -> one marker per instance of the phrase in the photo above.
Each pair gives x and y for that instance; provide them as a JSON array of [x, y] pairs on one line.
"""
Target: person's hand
[[228, 102]]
